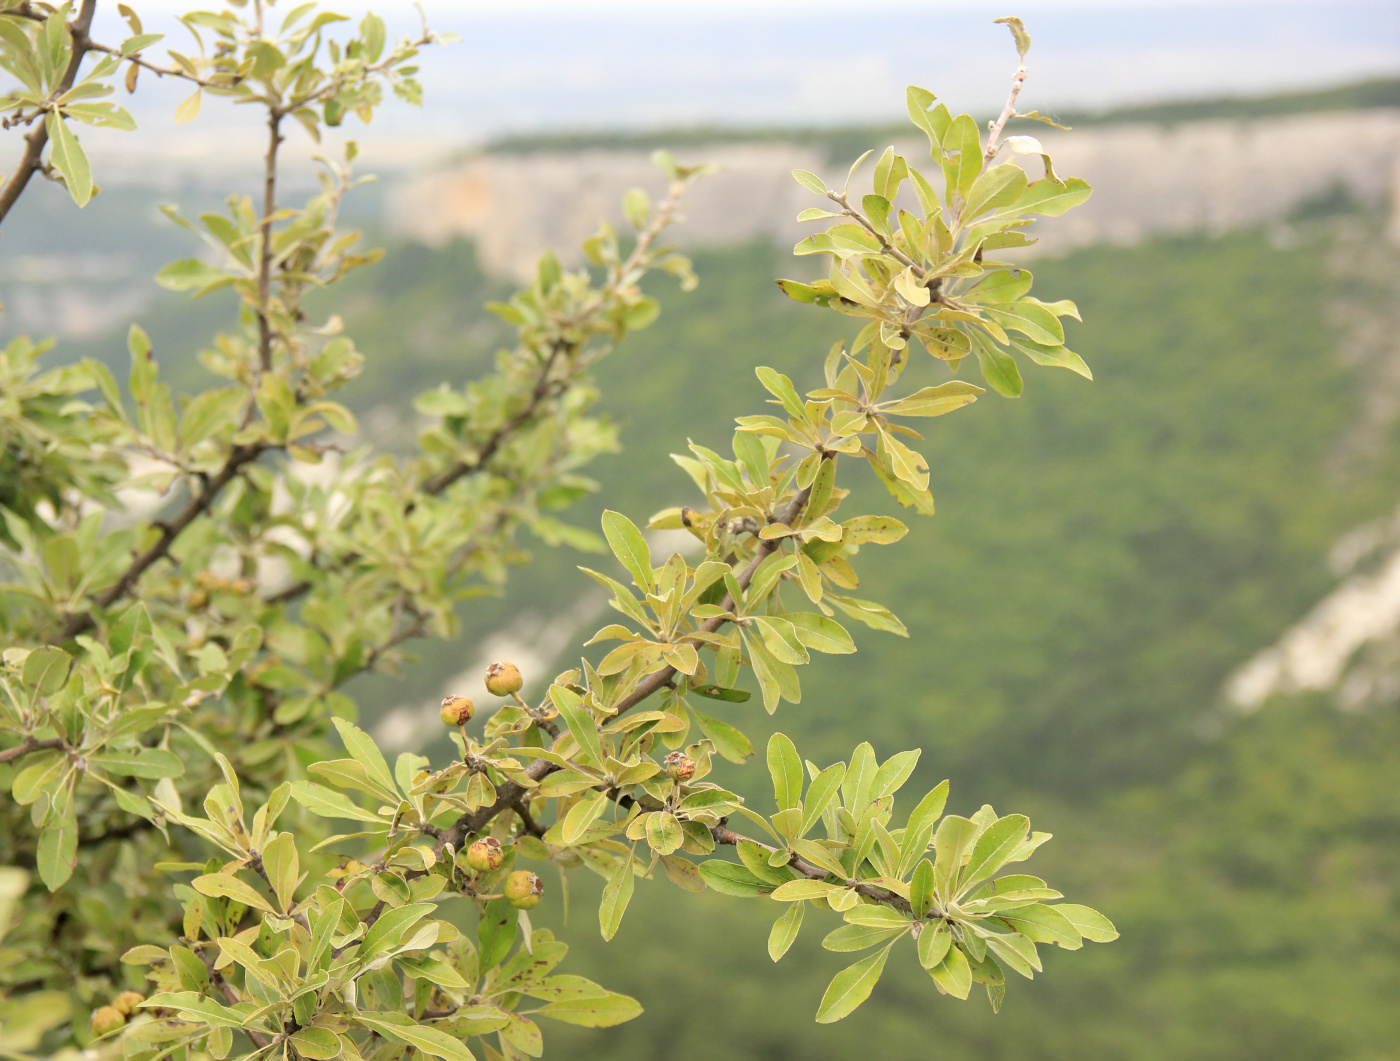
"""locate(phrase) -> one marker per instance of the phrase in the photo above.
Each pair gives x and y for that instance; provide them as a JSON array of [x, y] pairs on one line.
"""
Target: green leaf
[[1044, 924], [225, 885], [1016, 951], [810, 181], [581, 815], [46, 670], [1048, 197], [933, 401], [824, 790], [785, 930], [858, 937], [664, 833], [877, 916], [951, 843], [729, 878], [580, 722], [365, 752], [496, 932], [786, 768], [149, 763], [796, 891], [68, 158], [851, 986], [1031, 319], [893, 772], [630, 547], [821, 634], [1018, 31], [188, 110], [995, 846], [1091, 924], [602, 1012], [998, 367], [428, 1040], [283, 866], [781, 388], [954, 975], [728, 741], [328, 803], [1053, 357], [191, 274], [921, 888], [934, 942], [58, 851], [875, 616], [617, 893], [820, 856], [718, 692], [317, 1043]]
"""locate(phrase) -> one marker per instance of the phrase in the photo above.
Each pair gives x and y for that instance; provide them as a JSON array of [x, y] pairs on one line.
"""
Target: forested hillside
[[1114, 551]]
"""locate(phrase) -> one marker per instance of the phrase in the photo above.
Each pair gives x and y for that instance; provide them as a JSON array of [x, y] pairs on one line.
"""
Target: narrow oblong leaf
[[850, 987], [785, 766], [630, 548], [1091, 924], [934, 942], [616, 895], [785, 930], [953, 975]]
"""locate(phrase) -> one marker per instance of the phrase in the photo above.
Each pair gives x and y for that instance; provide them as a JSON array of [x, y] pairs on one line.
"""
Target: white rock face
[[1210, 176]]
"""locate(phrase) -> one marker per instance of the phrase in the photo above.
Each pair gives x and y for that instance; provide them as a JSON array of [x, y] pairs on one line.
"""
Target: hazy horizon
[[543, 66]]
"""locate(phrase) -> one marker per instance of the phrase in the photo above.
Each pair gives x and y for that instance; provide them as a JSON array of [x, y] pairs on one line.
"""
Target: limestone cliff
[[1149, 179]]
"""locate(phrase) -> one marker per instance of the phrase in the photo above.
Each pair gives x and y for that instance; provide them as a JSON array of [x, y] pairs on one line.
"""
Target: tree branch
[[274, 140], [510, 792], [30, 745], [724, 835], [194, 508], [35, 140]]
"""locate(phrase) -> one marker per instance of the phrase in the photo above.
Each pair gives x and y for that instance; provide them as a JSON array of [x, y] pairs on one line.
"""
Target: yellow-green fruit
[[456, 711], [126, 1002], [502, 679], [523, 890], [680, 766], [106, 1019], [485, 855]]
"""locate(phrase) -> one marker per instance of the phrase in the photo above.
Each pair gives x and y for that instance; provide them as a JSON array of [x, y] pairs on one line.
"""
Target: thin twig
[[274, 140], [81, 622], [724, 835], [30, 745], [1018, 81], [31, 162], [160, 71]]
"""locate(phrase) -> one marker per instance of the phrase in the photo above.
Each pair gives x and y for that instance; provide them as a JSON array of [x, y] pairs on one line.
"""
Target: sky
[[526, 66]]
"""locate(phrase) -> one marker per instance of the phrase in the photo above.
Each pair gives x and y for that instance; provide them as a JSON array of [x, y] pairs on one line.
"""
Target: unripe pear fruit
[[106, 1019], [523, 890], [485, 855], [502, 679], [456, 710], [680, 766], [127, 1001]]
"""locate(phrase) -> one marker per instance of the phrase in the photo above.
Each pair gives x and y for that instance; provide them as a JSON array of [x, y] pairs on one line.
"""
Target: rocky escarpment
[[1149, 179]]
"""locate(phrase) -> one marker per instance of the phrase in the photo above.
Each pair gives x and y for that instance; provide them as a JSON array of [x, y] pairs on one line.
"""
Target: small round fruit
[[456, 710], [106, 1020], [680, 766], [502, 679], [127, 1001], [523, 890], [485, 855]]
